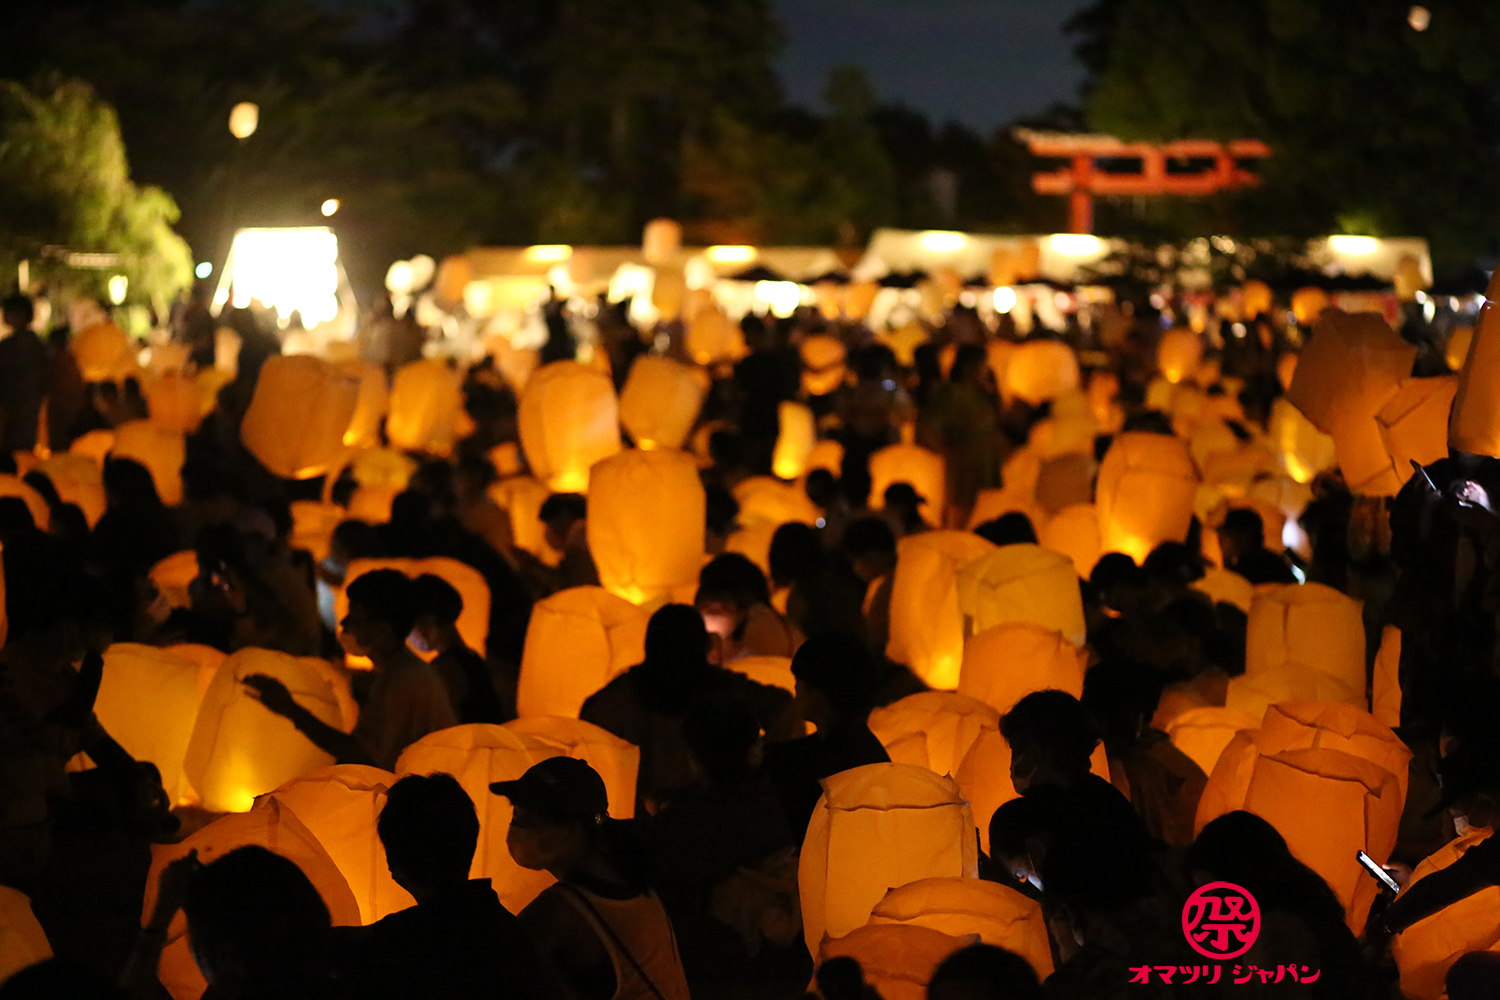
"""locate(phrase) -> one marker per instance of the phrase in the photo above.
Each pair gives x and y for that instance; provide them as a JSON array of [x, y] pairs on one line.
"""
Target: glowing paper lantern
[[645, 524], [522, 497], [773, 671], [1074, 531], [297, 418], [1178, 353], [370, 406], [616, 761], [984, 778], [161, 451], [1385, 686], [22, 940], [14, 486], [795, 440], [1256, 297], [95, 445], [927, 632], [1225, 586], [148, 701], [924, 470], [1475, 424], [1426, 950], [661, 400], [769, 502], [1145, 493], [897, 959], [382, 467], [1330, 805], [208, 659], [1304, 450], [1203, 733], [1022, 583], [932, 729], [713, 337], [1304, 642], [103, 352], [1308, 304], [1040, 370], [473, 621], [1457, 350], [313, 523], [576, 641], [1000, 915], [477, 755], [339, 806], [1005, 663], [878, 826], [270, 826], [426, 402], [173, 575], [174, 402], [823, 368], [78, 480], [660, 240], [1413, 423], [239, 750], [568, 421]]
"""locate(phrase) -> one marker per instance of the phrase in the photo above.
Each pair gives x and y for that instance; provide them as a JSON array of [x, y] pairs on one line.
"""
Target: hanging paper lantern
[[1074, 531], [1145, 493], [569, 420], [1203, 733], [238, 750], [927, 632], [22, 940], [615, 760], [932, 729], [660, 240], [1475, 424], [339, 806], [1000, 915], [878, 826], [1413, 423], [795, 440], [478, 755], [14, 486], [1040, 370], [924, 470], [645, 524], [148, 701], [473, 621], [1308, 304], [103, 352], [1005, 663], [823, 368], [1022, 583], [1329, 805], [522, 497], [661, 400], [426, 403], [1457, 350], [297, 418], [576, 641], [772, 671], [1385, 686], [174, 402], [984, 778], [1304, 450], [766, 501], [78, 480], [1426, 950], [1304, 642], [897, 959], [1178, 353], [270, 826], [173, 576], [370, 406], [161, 451]]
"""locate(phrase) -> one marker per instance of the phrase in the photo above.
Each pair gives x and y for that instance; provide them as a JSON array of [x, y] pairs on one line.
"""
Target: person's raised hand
[[171, 888], [272, 693]]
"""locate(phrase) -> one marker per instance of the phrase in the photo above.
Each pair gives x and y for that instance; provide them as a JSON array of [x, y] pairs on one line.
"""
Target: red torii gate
[[1081, 180]]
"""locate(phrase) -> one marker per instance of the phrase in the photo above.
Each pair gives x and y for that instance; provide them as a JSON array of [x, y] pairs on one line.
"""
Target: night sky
[[981, 62]]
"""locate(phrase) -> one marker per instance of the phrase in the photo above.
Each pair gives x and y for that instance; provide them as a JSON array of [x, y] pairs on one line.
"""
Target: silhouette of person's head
[[429, 829], [796, 553], [723, 737], [128, 485], [835, 680], [1008, 529], [559, 514], [984, 972], [438, 605], [18, 311], [561, 808], [676, 640], [1243, 848], [1051, 738], [870, 546], [256, 925], [1242, 533], [382, 612]]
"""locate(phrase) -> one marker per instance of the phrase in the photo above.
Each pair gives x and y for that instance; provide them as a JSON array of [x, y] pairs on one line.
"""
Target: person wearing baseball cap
[[602, 928]]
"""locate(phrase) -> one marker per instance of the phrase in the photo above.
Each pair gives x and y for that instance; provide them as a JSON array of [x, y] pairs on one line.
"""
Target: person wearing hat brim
[[604, 931]]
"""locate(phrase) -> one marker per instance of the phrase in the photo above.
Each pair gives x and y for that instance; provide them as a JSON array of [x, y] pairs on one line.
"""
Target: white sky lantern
[[244, 118], [942, 241], [289, 270], [329, 206]]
